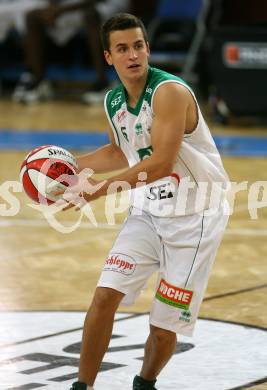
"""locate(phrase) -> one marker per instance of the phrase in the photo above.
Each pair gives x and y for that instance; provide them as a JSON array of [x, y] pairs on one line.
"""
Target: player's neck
[[135, 89]]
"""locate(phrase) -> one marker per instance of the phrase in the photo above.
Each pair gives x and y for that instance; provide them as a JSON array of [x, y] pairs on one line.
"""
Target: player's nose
[[133, 53]]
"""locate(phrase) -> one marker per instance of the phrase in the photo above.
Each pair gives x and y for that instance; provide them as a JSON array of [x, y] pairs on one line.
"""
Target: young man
[[159, 136]]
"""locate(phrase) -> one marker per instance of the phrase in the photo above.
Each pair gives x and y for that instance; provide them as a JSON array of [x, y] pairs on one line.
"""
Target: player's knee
[[106, 299], [162, 336]]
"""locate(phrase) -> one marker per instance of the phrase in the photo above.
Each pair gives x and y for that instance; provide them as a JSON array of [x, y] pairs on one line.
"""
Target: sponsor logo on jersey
[[116, 101], [174, 296], [163, 191], [121, 115], [120, 263]]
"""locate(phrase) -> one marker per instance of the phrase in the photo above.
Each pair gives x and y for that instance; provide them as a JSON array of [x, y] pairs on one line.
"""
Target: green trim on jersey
[[158, 76], [135, 110], [116, 99], [109, 110], [117, 96]]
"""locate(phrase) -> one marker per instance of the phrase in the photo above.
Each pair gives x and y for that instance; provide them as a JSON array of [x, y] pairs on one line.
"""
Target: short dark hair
[[120, 21]]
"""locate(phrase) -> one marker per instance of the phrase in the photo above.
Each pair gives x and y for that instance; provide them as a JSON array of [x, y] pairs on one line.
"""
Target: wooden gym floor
[[43, 269]]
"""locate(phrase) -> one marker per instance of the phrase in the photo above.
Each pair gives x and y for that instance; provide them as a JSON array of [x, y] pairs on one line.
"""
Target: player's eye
[[139, 45], [122, 49]]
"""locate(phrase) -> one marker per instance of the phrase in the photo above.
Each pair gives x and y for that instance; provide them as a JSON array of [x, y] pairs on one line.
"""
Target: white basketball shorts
[[182, 251]]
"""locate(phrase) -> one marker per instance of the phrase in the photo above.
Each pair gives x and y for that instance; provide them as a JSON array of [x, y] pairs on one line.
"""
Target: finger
[[80, 204], [70, 206], [57, 193], [67, 192], [60, 203], [71, 196]]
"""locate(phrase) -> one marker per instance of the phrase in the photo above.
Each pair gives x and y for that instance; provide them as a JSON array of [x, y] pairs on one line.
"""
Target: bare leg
[[159, 348], [93, 24], [97, 332], [34, 44]]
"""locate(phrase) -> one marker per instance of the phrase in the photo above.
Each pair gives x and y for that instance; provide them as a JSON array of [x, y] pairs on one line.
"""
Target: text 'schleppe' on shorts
[[121, 263]]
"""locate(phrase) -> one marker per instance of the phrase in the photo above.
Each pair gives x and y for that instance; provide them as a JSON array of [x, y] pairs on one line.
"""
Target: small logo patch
[[185, 316], [138, 129], [120, 263], [174, 296]]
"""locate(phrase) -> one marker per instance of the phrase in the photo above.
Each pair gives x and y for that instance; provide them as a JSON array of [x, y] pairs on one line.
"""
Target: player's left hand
[[80, 194]]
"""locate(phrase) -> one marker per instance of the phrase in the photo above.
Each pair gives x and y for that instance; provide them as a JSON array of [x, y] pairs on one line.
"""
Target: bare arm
[[174, 109], [105, 159], [171, 106]]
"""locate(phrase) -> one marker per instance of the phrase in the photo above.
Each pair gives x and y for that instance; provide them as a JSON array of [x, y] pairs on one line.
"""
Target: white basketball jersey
[[198, 180]]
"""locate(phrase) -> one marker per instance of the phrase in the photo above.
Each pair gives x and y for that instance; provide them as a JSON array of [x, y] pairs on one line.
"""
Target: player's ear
[[148, 48], [108, 58]]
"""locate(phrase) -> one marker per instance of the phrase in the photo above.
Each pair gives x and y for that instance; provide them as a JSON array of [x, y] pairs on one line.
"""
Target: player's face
[[128, 53]]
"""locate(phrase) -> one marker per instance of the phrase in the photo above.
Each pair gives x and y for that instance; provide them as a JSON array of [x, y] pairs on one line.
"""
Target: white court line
[[44, 223], [86, 225], [247, 232], [50, 248]]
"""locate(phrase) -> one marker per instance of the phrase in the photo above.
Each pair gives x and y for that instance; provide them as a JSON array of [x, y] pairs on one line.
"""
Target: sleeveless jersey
[[198, 179]]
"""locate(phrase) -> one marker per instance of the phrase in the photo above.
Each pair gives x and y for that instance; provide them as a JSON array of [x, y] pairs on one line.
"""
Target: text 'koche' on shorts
[[182, 251]]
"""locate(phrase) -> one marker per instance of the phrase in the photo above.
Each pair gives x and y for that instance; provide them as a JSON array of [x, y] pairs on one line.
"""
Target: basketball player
[[158, 133]]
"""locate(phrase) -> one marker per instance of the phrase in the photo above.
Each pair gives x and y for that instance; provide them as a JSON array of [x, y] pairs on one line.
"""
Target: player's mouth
[[134, 66]]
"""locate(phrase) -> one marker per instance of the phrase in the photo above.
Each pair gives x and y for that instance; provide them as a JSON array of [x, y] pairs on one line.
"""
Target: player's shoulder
[[159, 76], [160, 81]]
